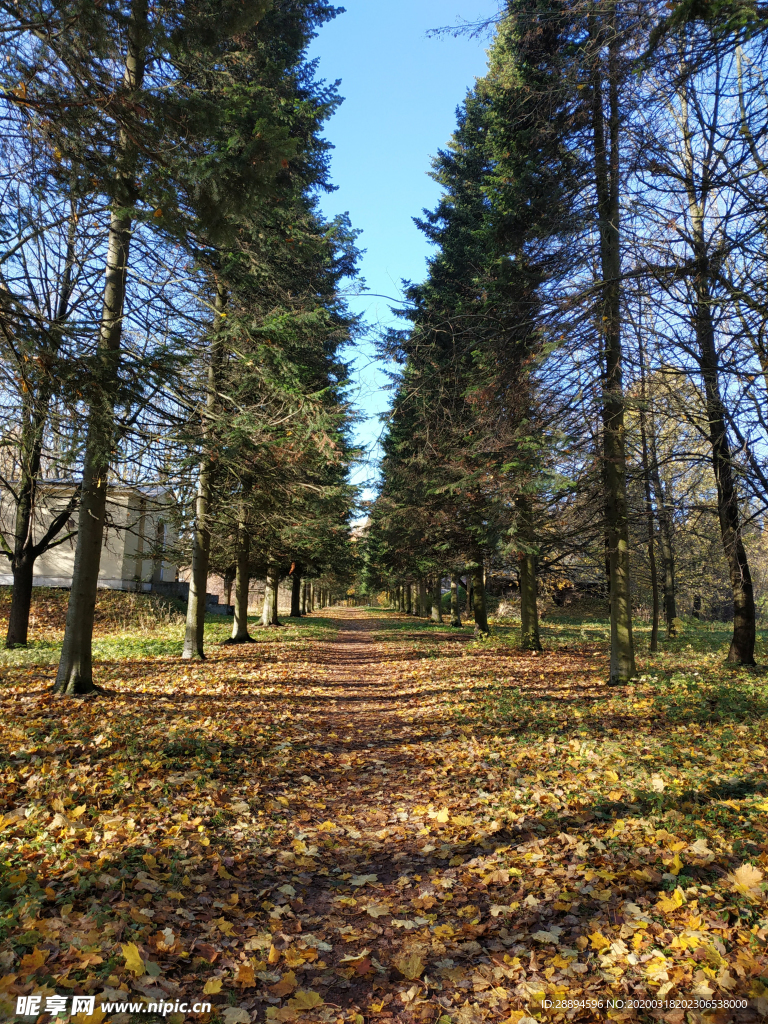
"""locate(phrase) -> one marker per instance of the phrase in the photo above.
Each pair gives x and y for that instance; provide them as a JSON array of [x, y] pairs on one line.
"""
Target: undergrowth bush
[[116, 610]]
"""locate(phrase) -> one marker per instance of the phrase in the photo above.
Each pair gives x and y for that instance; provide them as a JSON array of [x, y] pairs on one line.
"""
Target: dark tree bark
[[607, 186], [742, 649], [25, 553], [437, 613], [479, 603], [666, 538], [271, 587], [455, 611], [654, 644], [296, 592], [528, 565], [34, 416], [423, 600], [75, 673]]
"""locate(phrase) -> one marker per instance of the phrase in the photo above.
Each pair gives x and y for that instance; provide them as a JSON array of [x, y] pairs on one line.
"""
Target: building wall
[[133, 518]]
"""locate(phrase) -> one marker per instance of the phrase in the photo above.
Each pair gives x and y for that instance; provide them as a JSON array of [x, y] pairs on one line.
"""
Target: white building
[[137, 539]]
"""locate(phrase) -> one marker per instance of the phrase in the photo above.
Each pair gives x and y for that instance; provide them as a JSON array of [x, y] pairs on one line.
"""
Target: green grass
[[167, 641]]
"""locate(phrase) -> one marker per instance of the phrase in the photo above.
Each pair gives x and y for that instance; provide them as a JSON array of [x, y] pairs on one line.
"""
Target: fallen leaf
[[305, 999], [133, 961], [411, 967], [236, 1015], [746, 880]]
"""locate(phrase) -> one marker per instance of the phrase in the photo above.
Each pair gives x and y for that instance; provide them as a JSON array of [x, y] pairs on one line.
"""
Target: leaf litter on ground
[[367, 817]]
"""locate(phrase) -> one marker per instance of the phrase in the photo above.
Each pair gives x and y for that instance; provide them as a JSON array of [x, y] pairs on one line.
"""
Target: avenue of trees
[[581, 382], [169, 309]]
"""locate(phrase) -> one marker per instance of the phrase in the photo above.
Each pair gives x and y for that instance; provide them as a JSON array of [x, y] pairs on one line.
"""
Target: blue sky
[[401, 90]]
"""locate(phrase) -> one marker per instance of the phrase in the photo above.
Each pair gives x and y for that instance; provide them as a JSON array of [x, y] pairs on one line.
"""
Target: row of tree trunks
[[424, 599]]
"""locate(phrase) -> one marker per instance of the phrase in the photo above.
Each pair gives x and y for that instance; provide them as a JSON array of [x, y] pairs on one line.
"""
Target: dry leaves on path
[[367, 818]]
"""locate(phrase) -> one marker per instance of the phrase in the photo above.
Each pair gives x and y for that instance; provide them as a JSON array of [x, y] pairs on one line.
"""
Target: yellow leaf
[[442, 815], [173, 894], [461, 820], [245, 976], [598, 941], [222, 872], [133, 961], [274, 954], [676, 866], [78, 812], [376, 910], [96, 1017], [33, 961], [746, 880], [212, 987], [285, 986], [669, 904], [294, 957], [327, 826], [305, 1000], [412, 967], [225, 927], [611, 776]]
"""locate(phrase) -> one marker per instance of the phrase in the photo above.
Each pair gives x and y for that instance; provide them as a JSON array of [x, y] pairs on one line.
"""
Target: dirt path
[[389, 848]]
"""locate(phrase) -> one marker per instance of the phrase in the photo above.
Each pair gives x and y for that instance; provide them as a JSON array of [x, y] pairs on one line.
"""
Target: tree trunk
[[408, 599], [198, 582], [654, 645], [666, 537], [437, 613], [296, 593], [75, 673], [742, 649], [479, 605], [276, 601], [455, 611], [268, 614], [423, 599], [21, 601], [34, 416], [194, 635], [240, 634], [607, 186], [528, 565]]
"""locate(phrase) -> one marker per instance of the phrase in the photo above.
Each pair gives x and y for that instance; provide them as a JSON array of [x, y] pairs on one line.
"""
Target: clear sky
[[401, 90]]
